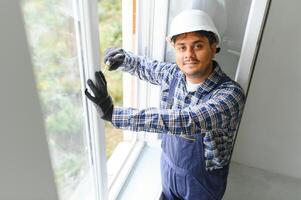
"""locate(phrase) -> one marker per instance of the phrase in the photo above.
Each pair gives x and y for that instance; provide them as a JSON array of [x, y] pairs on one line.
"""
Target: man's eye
[[198, 46], [181, 48]]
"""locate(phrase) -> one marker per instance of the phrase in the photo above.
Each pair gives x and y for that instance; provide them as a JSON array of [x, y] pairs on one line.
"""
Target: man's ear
[[173, 44], [213, 48]]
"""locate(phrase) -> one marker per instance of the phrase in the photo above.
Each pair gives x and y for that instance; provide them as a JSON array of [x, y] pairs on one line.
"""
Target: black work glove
[[102, 101], [114, 58]]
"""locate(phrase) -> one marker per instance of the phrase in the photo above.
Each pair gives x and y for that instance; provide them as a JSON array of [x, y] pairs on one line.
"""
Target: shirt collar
[[211, 81]]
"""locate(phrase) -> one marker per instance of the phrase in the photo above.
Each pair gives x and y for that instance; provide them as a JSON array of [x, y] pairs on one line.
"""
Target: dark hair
[[212, 38]]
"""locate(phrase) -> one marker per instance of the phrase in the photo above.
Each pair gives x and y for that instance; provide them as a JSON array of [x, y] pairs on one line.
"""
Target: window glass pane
[[51, 33], [230, 18]]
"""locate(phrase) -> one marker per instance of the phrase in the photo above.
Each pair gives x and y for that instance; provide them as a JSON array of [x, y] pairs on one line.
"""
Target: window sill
[[144, 180], [120, 165]]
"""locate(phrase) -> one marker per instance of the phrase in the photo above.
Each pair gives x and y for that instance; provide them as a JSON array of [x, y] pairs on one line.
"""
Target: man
[[199, 111]]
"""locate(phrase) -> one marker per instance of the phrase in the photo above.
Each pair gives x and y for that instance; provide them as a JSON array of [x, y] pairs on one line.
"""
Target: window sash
[[88, 49]]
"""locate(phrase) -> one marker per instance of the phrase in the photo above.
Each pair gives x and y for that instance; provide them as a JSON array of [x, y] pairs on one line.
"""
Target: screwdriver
[[106, 67]]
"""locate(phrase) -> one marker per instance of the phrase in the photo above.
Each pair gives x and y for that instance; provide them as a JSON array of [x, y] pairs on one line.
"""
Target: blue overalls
[[183, 171]]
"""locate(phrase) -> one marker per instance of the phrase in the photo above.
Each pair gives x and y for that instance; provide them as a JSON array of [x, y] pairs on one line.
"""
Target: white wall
[[25, 170], [270, 132]]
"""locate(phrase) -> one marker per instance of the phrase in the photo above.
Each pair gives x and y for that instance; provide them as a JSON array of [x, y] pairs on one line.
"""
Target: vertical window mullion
[[89, 51]]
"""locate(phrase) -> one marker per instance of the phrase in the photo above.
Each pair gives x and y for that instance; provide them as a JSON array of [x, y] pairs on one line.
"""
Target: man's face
[[194, 56]]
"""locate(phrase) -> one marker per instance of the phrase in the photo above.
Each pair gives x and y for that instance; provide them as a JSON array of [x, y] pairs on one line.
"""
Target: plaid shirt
[[216, 118]]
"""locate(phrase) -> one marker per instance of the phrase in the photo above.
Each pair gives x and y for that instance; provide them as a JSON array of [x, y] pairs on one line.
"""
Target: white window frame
[[251, 43], [88, 50], [252, 38]]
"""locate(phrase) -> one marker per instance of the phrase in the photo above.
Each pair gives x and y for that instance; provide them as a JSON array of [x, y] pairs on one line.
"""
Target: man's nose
[[190, 53]]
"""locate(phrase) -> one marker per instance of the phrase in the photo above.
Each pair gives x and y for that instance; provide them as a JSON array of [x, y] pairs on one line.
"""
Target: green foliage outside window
[[52, 38]]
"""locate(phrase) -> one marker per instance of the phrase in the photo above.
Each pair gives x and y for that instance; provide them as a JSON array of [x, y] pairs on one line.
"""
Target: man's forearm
[[146, 69]]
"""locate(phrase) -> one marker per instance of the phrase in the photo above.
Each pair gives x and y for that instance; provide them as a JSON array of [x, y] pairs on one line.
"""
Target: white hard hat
[[190, 21]]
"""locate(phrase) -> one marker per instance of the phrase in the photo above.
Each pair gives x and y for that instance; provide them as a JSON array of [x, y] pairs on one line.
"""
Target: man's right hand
[[114, 58], [101, 99]]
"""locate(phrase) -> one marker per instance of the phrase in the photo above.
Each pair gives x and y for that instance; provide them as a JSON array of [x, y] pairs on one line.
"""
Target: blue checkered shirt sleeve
[[152, 71], [217, 113]]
